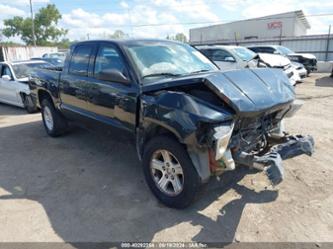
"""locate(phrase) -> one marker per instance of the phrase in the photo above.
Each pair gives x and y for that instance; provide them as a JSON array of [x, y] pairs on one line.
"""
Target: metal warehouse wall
[[314, 44], [24, 53]]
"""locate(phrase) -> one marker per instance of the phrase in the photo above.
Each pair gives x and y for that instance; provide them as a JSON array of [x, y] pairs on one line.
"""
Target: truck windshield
[[24, 70], [167, 59], [284, 50], [244, 53]]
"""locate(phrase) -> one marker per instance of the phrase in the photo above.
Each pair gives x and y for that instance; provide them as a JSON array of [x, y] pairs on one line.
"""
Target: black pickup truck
[[189, 120]]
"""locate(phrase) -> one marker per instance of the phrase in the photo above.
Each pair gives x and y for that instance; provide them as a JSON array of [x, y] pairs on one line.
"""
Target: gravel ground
[[87, 186]]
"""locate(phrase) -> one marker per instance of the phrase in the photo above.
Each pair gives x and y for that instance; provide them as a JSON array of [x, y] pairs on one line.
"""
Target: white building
[[280, 25]]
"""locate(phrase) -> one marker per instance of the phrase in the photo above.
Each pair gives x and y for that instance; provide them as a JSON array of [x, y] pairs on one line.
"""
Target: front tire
[[55, 124], [169, 172]]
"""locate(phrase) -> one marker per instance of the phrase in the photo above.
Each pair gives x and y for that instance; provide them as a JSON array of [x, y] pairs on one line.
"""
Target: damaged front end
[[257, 148], [228, 119]]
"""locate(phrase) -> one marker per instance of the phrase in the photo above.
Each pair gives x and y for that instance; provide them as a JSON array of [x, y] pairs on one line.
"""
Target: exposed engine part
[[250, 133], [271, 162]]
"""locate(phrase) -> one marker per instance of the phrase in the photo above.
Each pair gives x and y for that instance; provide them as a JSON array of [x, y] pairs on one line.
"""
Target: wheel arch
[[199, 158], [44, 94]]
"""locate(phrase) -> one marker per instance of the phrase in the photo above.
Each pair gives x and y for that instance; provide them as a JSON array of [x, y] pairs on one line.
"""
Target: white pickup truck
[[14, 88]]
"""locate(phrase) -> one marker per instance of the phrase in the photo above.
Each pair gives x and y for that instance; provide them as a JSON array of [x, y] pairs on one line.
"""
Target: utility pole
[[280, 40], [130, 21], [235, 35], [328, 43], [32, 24]]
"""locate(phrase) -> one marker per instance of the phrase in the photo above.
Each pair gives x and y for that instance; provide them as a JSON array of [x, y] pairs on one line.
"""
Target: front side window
[[108, 58], [79, 63], [221, 55], [167, 59], [6, 71]]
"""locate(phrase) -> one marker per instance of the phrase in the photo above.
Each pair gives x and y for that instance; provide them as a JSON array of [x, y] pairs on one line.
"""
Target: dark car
[[189, 120], [308, 60]]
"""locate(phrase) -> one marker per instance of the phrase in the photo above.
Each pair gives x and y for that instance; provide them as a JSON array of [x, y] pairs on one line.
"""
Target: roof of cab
[[128, 41], [217, 46]]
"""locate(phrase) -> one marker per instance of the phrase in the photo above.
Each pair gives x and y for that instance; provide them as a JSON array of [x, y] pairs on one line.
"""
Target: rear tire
[[55, 124], [29, 104], [174, 181]]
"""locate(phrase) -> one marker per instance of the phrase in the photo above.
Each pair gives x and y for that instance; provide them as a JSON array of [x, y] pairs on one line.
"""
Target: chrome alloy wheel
[[48, 119], [167, 172]]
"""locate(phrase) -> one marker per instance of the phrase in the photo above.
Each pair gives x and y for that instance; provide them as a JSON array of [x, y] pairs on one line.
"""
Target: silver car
[[14, 88]]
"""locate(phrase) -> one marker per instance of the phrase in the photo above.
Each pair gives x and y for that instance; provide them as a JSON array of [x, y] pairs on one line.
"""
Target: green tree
[[46, 30], [181, 37], [118, 34], [178, 37]]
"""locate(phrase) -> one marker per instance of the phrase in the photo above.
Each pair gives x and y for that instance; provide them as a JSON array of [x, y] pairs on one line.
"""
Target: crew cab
[[14, 88], [190, 121], [308, 60]]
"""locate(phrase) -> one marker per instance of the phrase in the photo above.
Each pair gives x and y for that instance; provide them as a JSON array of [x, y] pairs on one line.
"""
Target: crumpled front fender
[[182, 114], [187, 118]]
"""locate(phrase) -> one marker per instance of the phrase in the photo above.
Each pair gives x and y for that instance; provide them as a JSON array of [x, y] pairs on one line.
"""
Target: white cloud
[[6, 10], [197, 10], [23, 2], [168, 17], [100, 26], [124, 4]]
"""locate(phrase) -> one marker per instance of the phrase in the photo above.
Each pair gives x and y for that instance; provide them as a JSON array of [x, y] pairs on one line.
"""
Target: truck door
[[8, 87], [109, 100], [75, 81]]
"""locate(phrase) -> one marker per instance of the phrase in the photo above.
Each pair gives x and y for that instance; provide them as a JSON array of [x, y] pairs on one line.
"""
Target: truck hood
[[247, 91], [274, 60], [307, 56]]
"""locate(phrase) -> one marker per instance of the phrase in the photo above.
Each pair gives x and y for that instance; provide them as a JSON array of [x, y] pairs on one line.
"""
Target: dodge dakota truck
[[189, 120]]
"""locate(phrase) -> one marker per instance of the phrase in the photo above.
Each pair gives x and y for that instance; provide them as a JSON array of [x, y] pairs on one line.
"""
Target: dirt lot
[[90, 187]]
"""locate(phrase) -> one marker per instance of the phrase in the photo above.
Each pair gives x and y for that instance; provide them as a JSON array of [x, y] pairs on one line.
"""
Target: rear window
[[267, 50], [79, 63]]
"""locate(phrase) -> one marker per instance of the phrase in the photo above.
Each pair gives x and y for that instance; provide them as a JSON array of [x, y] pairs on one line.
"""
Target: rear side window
[[79, 63]]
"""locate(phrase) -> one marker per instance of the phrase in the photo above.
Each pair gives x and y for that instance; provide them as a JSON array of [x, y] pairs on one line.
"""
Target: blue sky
[[159, 18]]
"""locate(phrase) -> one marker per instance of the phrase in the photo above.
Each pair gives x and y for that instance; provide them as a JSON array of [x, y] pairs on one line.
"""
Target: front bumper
[[310, 68], [302, 73], [271, 162]]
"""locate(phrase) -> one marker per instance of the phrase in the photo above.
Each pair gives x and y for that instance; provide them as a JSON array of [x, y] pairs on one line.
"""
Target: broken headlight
[[222, 136]]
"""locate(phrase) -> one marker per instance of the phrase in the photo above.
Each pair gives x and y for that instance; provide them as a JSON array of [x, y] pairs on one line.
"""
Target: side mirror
[[6, 77], [229, 59], [112, 75], [276, 52]]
